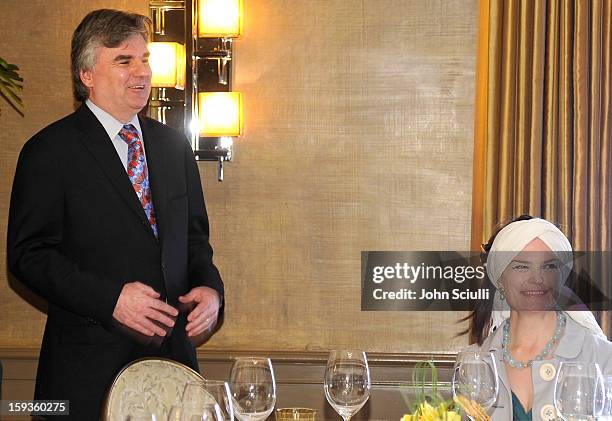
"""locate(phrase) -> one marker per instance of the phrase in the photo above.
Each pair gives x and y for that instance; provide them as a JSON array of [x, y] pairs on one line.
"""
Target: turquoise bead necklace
[[561, 319]]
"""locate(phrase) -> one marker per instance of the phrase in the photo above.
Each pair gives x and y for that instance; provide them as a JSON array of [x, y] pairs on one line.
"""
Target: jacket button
[[548, 413], [547, 372]]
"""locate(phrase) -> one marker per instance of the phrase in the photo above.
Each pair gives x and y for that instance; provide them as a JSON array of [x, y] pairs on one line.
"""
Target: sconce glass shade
[[220, 18], [220, 113], [167, 61]]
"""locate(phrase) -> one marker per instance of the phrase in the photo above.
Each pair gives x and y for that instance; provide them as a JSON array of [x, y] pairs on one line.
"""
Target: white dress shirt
[[113, 127]]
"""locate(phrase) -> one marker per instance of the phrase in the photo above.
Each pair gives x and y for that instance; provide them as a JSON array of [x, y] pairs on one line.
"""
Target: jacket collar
[[493, 344], [569, 346], [571, 341], [96, 141]]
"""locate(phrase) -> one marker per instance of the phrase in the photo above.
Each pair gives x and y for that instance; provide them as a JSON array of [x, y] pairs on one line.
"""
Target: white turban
[[509, 242]]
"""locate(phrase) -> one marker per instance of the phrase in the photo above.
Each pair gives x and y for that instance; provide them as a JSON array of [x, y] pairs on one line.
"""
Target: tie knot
[[128, 133]]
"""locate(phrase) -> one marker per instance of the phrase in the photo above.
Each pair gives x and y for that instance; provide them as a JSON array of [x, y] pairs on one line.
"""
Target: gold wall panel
[[358, 136]]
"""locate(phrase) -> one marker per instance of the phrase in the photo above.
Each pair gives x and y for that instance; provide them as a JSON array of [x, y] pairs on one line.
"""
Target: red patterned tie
[[137, 171]]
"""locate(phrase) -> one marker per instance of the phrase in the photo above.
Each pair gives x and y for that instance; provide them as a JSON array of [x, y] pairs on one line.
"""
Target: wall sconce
[[167, 61], [219, 110], [211, 115], [220, 117], [220, 113], [220, 18]]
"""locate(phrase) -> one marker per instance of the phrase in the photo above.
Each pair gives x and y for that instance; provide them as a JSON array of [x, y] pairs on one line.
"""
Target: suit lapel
[[157, 167], [96, 140]]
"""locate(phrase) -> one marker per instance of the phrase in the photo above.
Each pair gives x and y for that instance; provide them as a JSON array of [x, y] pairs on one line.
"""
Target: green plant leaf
[[8, 91], [17, 85], [13, 100], [10, 75], [11, 85], [425, 386]]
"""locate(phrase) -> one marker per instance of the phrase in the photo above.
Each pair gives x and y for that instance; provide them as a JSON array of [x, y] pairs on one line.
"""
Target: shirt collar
[[110, 123]]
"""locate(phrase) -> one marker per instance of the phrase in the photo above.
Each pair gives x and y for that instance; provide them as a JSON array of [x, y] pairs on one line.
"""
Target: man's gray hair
[[104, 27]]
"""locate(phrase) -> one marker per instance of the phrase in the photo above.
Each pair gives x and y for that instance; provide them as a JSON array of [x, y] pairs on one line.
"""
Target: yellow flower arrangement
[[426, 412], [430, 406]]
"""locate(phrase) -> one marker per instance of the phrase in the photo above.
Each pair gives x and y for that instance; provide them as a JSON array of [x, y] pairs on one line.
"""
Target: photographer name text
[[434, 294]]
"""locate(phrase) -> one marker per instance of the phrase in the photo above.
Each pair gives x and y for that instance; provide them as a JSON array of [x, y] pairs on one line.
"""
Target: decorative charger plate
[[151, 384]]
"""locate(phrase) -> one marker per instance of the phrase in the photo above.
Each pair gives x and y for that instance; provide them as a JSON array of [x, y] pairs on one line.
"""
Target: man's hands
[[204, 314], [138, 305]]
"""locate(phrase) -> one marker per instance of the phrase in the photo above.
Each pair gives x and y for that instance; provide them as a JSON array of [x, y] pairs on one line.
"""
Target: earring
[[502, 296]]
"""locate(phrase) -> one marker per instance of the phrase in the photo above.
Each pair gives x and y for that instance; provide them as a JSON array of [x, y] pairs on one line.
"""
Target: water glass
[[203, 390], [475, 382], [253, 388], [606, 414], [347, 382], [579, 391], [191, 412]]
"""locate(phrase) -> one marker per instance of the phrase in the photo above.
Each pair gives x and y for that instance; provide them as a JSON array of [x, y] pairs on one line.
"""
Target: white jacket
[[577, 344]]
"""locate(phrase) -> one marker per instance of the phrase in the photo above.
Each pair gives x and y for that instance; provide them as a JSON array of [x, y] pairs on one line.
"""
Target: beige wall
[[358, 136]]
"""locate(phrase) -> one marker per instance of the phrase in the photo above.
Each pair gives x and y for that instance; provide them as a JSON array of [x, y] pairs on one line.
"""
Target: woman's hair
[[480, 318]]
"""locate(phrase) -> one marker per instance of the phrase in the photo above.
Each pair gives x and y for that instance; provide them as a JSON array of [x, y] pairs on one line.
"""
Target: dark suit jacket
[[77, 233]]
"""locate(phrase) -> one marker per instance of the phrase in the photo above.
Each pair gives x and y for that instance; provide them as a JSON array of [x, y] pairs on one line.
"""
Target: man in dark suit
[[108, 223]]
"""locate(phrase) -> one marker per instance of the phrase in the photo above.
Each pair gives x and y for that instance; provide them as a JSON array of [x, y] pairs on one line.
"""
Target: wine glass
[[579, 391], [347, 382], [197, 401], [220, 390], [194, 412], [253, 388], [606, 414], [475, 382], [210, 391]]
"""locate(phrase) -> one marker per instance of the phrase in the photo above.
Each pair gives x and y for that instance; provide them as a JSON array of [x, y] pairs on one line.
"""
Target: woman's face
[[531, 281]]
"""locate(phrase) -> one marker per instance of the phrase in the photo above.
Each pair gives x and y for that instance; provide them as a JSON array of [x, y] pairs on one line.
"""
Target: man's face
[[120, 81]]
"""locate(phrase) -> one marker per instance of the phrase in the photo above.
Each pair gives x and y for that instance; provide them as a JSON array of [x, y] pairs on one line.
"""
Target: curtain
[[543, 118]]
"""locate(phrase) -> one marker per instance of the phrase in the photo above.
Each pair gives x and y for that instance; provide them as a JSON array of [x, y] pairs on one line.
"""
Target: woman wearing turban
[[528, 261]]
